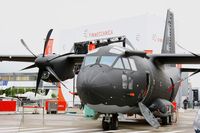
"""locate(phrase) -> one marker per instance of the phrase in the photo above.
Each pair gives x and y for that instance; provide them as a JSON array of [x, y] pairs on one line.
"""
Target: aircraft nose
[[94, 78], [92, 82]]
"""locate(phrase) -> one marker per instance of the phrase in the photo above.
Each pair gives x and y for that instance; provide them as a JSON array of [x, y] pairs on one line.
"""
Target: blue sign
[[3, 82]]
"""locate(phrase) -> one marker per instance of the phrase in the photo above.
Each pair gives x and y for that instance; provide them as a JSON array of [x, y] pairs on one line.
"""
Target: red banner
[[7, 105]]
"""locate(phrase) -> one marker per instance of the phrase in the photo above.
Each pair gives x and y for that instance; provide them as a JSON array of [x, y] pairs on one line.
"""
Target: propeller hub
[[41, 62]]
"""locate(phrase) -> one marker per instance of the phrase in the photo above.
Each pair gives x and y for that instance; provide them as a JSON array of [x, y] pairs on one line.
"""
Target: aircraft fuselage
[[111, 83]]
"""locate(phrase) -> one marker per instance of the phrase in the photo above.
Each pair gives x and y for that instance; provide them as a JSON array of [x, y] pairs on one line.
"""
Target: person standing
[[185, 103]]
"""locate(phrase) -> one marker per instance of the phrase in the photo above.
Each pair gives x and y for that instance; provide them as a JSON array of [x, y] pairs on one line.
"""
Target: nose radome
[[94, 78], [93, 83]]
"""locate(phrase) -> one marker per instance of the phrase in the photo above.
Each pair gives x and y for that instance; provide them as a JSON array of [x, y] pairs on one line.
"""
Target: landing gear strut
[[167, 120], [110, 122]]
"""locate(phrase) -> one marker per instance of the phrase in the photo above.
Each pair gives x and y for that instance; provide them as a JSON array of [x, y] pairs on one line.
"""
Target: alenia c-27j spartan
[[116, 79]]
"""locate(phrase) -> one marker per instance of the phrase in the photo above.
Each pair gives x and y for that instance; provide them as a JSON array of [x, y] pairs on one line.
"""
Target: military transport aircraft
[[116, 79]]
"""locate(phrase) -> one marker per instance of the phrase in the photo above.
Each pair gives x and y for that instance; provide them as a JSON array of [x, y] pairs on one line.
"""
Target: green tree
[[53, 95], [8, 92], [21, 91], [1, 92]]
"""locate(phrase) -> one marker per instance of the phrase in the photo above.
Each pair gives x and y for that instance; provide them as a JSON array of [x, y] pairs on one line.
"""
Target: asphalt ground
[[77, 123]]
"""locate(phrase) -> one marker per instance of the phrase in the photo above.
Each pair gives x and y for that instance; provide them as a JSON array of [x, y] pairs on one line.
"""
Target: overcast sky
[[31, 19]]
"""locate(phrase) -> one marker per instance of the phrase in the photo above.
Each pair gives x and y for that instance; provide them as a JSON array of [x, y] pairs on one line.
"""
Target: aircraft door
[[147, 84], [172, 90], [145, 92]]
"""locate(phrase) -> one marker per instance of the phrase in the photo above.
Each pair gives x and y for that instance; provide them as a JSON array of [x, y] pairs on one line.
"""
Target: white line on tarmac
[[49, 130], [18, 129], [8, 131], [111, 131], [28, 129], [139, 132], [3, 128], [80, 131], [178, 131]]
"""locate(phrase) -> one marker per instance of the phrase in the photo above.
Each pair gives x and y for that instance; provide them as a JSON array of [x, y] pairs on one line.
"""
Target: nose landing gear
[[110, 122]]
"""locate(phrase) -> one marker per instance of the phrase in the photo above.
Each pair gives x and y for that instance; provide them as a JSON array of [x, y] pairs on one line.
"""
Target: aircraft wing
[[77, 58], [189, 69], [175, 58], [20, 58]]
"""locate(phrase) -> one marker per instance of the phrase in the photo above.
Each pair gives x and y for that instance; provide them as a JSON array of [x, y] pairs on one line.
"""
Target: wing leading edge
[[19, 58], [29, 58]]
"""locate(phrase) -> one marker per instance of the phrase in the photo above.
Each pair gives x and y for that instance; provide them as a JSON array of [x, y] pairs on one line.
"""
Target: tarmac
[[75, 122]]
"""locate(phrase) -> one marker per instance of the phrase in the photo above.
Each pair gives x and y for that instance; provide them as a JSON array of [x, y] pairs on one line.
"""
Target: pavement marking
[[18, 129], [84, 130], [32, 128], [110, 131], [8, 131], [139, 132], [49, 130], [2, 128], [177, 131]]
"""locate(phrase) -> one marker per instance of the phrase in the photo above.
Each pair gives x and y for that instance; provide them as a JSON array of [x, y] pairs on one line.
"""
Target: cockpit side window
[[126, 63], [133, 66], [107, 60], [119, 64], [89, 60]]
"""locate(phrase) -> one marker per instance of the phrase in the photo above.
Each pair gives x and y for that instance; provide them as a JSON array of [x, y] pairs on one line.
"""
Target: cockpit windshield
[[89, 60], [107, 60], [104, 60]]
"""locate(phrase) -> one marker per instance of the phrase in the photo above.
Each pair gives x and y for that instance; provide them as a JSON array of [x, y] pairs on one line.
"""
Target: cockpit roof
[[108, 50]]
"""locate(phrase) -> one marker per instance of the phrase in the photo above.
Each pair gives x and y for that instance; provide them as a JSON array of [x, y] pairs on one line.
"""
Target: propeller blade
[[46, 40], [61, 56], [55, 75], [29, 67], [22, 41], [38, 80]]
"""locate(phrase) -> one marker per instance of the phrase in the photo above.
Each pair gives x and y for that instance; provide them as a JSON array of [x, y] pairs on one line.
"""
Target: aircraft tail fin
[[169, 37]]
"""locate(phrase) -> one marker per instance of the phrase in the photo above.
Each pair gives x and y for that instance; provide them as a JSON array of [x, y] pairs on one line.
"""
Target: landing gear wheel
[[166, 120], [114, 122], [170, 120], [105, 125], [110, 123]]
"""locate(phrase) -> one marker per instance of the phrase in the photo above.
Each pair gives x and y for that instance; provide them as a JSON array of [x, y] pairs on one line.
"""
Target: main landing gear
[[166, 120], [169, 120], [110, 122]]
